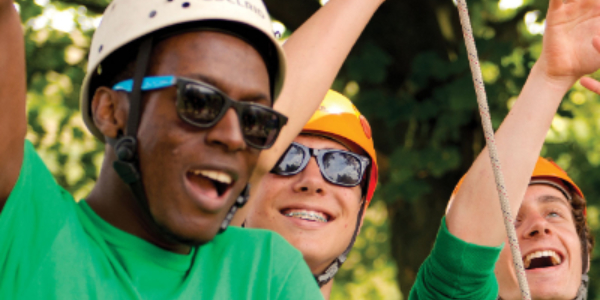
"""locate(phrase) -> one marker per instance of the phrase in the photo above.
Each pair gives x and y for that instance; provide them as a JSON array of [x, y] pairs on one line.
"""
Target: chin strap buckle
[[125, 149]]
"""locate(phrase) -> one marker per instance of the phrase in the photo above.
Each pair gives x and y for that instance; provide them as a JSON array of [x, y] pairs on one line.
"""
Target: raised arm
[[315, 53], [13, 124], [570, 50]]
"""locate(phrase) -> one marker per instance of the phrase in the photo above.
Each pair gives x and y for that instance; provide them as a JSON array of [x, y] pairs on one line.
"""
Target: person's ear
[[109, 111]]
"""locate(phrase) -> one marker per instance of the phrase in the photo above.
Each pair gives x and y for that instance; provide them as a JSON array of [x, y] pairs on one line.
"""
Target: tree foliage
[[408, 74]]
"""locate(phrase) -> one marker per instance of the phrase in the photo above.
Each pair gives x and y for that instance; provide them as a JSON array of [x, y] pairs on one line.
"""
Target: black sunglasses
[[203, 106], [339, 167]]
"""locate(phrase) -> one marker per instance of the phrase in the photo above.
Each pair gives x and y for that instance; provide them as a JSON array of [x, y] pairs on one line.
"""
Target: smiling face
[[550, 247], [191, 175], [315, 216]]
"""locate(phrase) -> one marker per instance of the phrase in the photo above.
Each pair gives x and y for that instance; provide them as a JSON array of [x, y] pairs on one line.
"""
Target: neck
[[326, 289], [113, 200]]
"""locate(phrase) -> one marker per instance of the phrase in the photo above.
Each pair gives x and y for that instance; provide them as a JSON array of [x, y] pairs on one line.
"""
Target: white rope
[[491, 144]]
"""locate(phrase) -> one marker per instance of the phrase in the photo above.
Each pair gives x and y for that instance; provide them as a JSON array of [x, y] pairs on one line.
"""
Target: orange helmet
[[337, 116], [544, 168], [547, 168]]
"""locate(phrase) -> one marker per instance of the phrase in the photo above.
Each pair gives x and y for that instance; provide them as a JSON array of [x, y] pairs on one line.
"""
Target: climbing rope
[[484, 111]]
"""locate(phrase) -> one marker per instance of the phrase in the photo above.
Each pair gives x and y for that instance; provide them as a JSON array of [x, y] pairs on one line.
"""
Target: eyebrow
[[255, 97], [553, 199]]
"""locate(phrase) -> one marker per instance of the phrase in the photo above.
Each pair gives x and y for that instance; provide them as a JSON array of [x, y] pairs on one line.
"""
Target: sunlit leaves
[[369, 272], [55, 69]]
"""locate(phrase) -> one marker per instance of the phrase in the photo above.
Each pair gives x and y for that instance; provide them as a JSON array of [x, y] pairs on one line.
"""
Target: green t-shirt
[[456, 269], [54, 248]]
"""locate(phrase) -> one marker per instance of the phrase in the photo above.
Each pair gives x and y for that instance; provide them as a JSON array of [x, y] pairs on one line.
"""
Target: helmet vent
[[152, 14], [185, 4], [100, 49]]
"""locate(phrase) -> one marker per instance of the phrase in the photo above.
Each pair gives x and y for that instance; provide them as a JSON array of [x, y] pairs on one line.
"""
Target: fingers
[[591, 84]]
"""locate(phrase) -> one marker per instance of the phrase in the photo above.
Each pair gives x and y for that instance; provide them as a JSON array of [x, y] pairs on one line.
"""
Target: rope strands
[[491, 144]]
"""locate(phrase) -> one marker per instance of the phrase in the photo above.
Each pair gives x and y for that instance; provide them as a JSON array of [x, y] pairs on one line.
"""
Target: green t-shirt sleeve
[[33, 215], [456, 269]]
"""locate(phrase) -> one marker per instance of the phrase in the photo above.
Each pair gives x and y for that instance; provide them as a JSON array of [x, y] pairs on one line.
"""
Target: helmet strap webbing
[[582, 293], [335, 266], [239, 202], [125, 146], [584, 251]]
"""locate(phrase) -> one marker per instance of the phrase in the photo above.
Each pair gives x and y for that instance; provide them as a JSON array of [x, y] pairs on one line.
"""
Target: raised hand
[[571, 40]]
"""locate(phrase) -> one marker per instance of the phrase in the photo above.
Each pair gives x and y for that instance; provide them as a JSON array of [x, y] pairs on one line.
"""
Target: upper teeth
[[215, 175], [545, 253], [307, 215]]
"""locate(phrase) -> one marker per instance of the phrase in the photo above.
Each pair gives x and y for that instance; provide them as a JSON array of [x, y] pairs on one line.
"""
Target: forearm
[[519, 141], [315, 53], [12, 97]]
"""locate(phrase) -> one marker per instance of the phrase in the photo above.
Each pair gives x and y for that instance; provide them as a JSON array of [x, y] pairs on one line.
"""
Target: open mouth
[[215, 183], [541, 259], [307, 215]]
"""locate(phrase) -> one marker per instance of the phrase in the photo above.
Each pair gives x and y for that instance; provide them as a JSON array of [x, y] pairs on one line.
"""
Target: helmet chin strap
[[582, 292], [335, 266], [241, 200], [125, 146]]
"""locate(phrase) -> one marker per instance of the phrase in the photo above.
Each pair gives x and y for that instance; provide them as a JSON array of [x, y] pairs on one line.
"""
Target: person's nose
[[310, 180], [536, 226], [227, 133]]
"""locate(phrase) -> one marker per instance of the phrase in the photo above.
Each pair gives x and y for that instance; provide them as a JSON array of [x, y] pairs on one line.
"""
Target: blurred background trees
[[408, 74]]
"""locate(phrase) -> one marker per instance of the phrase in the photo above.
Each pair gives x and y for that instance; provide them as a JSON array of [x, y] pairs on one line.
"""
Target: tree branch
[[292, 13]]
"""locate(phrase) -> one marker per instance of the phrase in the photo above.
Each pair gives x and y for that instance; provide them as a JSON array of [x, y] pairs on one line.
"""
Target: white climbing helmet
[[124, 21]]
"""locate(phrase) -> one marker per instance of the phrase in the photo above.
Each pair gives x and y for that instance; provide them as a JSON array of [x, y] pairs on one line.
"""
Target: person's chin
[[190, 235], [551, 291]]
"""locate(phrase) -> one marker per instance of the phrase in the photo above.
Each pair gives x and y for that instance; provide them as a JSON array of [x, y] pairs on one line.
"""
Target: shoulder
[[35, 179], [254, 245], [256, 238], [37, 201], [258, 258], [456, 269]]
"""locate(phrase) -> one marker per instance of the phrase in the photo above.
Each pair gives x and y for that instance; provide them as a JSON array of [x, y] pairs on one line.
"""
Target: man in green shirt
[[161, 78]]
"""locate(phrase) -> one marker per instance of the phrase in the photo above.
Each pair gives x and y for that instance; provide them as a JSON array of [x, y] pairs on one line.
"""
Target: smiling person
[[181, 92], [317, 193], [549, 207], [554, 237]]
